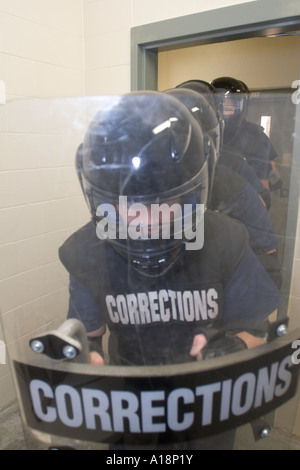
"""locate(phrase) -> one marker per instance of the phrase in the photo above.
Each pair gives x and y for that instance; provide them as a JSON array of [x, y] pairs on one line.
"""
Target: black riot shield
[[83, 405], [149, 297]]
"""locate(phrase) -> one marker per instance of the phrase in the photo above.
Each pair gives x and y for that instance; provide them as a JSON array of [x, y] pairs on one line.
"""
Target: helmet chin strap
[[153, 265]]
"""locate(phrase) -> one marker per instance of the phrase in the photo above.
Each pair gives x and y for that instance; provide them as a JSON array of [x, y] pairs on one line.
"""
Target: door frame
[[258, 18]]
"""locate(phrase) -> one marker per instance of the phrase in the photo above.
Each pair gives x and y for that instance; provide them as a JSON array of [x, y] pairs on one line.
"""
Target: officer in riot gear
[[229, 156], [173, 165], [165, 300], [247, 137], [231, 193]]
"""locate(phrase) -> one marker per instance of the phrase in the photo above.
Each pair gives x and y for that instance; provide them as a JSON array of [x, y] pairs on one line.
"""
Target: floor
[[11, 429], [12, 436]]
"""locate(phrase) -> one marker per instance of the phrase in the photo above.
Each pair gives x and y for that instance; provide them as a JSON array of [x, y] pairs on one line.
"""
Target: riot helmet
[[144, 149], [205, 89], [203, 111], [235, 96], [201, 98], [246, 89]]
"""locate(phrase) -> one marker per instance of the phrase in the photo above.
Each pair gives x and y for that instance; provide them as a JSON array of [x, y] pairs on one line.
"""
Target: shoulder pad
[[252, 128], [226, 238], [226, 186], [231, 157], [80, 251]]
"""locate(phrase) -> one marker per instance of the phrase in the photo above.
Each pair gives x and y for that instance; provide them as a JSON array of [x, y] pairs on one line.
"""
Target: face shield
[[233, 106], [203, 107], [147, 192], [235, 96], [151, 230]]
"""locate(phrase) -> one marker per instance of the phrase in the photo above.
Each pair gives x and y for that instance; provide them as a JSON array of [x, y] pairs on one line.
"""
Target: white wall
[[107, 35], [54, 48], [41, 55]]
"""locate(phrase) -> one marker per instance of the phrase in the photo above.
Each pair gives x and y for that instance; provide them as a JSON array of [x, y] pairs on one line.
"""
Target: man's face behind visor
[[151, 221]]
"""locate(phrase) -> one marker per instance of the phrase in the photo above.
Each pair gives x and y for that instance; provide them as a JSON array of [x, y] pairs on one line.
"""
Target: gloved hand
[[96, 350], [219, 343]]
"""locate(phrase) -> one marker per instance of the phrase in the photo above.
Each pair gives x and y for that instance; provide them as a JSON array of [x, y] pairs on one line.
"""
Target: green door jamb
[[252, 19]]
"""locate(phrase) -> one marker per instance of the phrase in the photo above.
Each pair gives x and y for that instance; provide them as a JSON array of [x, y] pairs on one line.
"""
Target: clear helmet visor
[[149, 230], [144, 174], [232, 106], [234, 110]]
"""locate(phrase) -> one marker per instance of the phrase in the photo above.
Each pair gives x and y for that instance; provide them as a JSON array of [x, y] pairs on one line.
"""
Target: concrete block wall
[[41, 56]]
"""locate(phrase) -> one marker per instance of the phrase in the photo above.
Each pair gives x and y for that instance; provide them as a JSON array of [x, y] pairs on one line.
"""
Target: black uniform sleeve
[[226, 187], [251, 295], [226, 239]]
